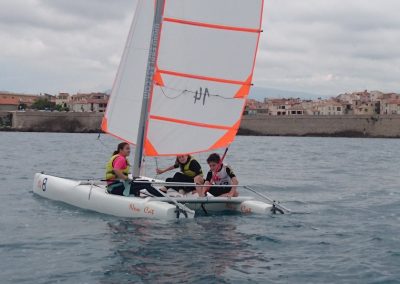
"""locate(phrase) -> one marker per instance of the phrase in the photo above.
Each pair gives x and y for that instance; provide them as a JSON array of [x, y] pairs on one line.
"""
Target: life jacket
[[221, 177], [110, 174], [185, 169]]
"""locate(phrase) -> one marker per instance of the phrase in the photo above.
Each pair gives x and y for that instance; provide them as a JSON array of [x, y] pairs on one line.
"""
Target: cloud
[[52, 46], [319, 46], [330, 46]]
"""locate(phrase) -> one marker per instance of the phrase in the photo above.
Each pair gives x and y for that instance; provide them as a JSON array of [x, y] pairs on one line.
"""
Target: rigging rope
[[156, 159], [101, 142], [182, 92]]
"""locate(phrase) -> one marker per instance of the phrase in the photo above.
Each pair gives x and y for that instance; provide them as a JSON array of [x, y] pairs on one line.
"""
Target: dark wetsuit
[[189, 171]]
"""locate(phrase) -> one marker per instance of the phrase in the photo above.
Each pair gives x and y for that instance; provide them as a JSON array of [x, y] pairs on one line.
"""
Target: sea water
[[345, 225]]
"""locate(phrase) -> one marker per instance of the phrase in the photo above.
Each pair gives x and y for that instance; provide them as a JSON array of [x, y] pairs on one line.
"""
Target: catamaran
[[181, 88]]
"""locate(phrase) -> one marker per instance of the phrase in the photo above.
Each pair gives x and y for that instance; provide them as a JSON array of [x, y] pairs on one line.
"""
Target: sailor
[[220, 174], [117, 171], [190, 172], [117, 174]]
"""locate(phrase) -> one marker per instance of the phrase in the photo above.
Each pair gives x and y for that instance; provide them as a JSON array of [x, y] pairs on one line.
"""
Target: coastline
[[351, 126]]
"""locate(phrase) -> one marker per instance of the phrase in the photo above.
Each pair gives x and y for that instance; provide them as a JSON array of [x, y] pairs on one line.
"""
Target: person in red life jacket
[[190, 172], [117, 174], [220, 174]]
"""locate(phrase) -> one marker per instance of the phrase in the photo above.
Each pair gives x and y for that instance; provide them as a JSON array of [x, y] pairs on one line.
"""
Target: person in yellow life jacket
[[220, 174], [117, 175], [117, 171], [190, 172]]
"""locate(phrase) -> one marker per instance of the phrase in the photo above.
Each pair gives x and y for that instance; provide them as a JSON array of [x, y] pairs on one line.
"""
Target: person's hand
[[159, 171]]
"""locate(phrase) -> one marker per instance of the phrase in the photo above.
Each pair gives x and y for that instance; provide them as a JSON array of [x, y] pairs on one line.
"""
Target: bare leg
[[200, 181]]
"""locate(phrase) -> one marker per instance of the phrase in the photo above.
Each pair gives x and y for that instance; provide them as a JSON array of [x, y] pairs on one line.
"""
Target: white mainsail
[[123, 110], [203, 73]]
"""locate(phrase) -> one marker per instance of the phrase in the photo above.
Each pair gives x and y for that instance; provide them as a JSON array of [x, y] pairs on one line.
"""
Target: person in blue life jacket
[[190, 172], [117, 174], [220, 174]]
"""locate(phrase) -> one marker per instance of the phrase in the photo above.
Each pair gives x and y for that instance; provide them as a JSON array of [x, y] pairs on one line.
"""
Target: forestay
[[204, 69]]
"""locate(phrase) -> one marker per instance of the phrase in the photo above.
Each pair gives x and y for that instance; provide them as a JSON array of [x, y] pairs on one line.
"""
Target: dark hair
[[179, 163], [120, 147], [214, 157]]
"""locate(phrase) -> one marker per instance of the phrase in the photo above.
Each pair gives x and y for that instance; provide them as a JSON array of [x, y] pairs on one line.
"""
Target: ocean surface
[[345, 194]]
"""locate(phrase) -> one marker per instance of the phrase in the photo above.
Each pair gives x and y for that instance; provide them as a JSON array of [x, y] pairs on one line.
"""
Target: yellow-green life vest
[[110, 174], [185, 169]]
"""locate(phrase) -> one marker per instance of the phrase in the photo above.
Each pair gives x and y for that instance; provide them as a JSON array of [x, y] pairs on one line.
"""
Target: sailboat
[[181, 88]]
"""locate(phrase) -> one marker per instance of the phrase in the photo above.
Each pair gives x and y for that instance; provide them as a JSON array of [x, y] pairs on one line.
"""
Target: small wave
[[267, 238]]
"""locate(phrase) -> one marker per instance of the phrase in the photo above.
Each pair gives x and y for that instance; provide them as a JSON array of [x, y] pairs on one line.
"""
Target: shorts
[[179, 177], [217, 191]]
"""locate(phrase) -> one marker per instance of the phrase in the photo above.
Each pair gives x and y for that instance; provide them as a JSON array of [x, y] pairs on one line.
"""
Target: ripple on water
[[344, 228]]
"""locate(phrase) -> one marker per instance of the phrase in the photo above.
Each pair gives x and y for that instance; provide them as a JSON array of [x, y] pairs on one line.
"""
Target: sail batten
[[192, 123], [212, 26], [201, 77]]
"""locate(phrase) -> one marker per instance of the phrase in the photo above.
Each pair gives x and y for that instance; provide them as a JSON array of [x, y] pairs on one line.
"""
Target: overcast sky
[[320, 46]]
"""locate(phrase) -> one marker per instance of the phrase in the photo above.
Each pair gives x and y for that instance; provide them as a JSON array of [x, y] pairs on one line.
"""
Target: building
[[280, 107], [390, 106], [296, 109], [8, 103], [93, 102], [365, 108], [62, 99], [254, 107], [328, 107], [24, 100], [48, 97]]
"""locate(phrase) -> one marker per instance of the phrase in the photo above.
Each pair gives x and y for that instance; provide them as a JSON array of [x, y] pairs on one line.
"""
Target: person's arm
[[198, 179], [120, 175], [196, 168], [233, 192], [207, 182], [161, 171]]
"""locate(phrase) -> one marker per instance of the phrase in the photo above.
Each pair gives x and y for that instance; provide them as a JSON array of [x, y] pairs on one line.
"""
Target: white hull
[[94, 197]]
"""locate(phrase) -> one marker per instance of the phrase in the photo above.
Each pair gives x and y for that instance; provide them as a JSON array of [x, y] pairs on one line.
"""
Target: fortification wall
[[56, 121], [341, 126]]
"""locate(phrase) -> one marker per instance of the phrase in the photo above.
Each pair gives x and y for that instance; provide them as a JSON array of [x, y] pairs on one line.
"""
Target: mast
[[148, 85]]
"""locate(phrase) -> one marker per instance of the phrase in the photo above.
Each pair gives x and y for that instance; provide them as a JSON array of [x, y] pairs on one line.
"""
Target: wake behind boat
[[181, 88]]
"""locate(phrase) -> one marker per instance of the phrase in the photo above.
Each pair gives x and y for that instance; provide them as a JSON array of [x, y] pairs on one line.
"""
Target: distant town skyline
[[321, 47]]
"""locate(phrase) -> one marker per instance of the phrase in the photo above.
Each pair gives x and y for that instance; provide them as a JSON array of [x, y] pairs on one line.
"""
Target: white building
[[328, 107], [391, 106], [93, 102]]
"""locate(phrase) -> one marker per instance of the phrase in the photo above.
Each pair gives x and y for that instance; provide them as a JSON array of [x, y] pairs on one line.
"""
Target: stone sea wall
[[339, 126], [56, 121]]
